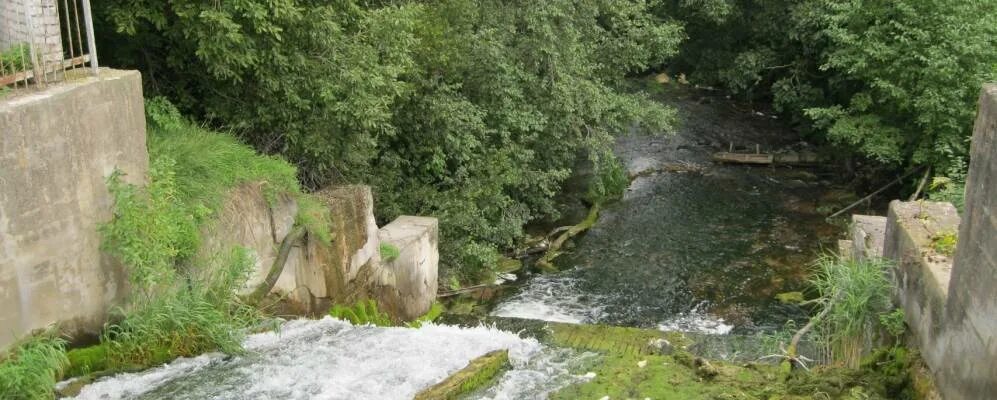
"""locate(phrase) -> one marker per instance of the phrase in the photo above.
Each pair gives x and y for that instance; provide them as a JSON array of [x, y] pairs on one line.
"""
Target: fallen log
[[546, 262]]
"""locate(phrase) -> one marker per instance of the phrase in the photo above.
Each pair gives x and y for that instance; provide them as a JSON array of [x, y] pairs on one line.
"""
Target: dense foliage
[[895, 81], [474, 111]]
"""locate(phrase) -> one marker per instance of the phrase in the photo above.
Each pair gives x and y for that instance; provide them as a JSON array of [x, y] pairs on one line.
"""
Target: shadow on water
[[703, 250]]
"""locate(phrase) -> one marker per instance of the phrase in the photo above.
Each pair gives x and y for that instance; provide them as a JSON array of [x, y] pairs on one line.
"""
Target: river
[[691, 246]]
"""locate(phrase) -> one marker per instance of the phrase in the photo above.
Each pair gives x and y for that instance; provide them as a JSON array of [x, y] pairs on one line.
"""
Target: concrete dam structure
[[58, 146]]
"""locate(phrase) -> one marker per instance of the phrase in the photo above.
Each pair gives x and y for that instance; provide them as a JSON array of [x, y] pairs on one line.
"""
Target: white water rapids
[[332, 359]]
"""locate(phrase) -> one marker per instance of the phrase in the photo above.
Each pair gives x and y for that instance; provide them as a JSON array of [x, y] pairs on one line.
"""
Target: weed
[[945, 243], [31, 370], [362, 313], [435, 310], [857, 293]]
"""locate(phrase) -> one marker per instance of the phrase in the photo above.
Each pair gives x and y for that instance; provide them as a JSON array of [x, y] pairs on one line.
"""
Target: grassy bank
[[181, 303]]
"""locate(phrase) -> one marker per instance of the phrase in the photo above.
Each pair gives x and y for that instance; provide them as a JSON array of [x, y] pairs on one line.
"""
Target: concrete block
[[57, 148], [414, 273], [969, 370], [868, 234]]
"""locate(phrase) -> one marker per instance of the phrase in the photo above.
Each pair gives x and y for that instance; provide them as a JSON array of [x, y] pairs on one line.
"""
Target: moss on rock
[[479, 373]]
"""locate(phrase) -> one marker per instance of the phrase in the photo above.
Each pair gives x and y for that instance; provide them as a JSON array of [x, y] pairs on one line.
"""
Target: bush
[[472, 111], [895, 82]]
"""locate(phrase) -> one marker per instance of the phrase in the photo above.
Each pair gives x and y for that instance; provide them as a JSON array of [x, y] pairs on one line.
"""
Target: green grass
[[858, 294], [182, 303], [30, 370], [15, 59]]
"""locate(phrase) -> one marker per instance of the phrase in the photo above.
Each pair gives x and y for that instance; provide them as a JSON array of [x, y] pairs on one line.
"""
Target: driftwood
[[546, 262], [261, 291]]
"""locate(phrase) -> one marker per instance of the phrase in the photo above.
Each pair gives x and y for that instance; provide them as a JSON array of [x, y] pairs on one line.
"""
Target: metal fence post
[[32, 46], [91, 42]]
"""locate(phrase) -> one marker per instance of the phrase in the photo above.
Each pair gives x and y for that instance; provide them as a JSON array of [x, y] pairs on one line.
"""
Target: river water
[[704, 248], [331, 359]]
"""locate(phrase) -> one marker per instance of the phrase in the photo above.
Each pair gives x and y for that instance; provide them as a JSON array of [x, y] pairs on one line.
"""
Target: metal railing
[[45, 41]]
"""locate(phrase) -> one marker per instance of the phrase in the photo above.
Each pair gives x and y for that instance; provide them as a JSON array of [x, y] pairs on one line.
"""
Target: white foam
[[551, 298], [331, 359], [697, 321]]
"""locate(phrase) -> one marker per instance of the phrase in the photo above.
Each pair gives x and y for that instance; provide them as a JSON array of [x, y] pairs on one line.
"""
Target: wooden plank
[[743, 158]]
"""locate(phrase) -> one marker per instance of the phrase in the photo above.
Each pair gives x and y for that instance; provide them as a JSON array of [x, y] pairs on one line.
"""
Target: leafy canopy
[[473, 111]]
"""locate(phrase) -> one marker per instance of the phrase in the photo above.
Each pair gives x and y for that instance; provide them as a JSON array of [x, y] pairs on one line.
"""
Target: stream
[[700, 248], [692, 245]]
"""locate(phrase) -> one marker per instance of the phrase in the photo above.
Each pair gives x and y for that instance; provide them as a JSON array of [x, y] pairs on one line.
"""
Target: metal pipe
[[91, 41]]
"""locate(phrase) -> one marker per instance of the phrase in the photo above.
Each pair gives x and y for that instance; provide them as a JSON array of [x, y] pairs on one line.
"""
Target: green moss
[[389, 252], [478, 374], [87, 360], [616, 339], [945, 243], [620, 376], [790, 297]]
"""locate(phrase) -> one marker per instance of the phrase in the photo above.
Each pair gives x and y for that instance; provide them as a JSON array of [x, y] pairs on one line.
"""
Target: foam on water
[[331, 359], [554, 298], [696, 321]]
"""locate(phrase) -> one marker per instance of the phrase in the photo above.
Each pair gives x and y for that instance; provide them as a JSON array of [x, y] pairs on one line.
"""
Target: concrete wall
[[950, 303], [971, 312], [57, 147]]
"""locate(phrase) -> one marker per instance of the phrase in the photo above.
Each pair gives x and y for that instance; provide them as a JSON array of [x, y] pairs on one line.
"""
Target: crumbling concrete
[[57, 148], [950, 303], [868, 233], [971, 324], [413, 275]]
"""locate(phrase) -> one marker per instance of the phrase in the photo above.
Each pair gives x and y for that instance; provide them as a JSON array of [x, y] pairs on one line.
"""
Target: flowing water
[[703, 248], [331, 359]]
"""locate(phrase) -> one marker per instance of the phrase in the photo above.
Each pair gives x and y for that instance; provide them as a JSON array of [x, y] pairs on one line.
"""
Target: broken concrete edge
[[478, 374], [867, 236]]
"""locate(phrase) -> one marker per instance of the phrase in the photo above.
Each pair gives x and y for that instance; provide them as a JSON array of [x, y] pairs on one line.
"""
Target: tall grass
[[858, 294], [30, 371], [184, 303]]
